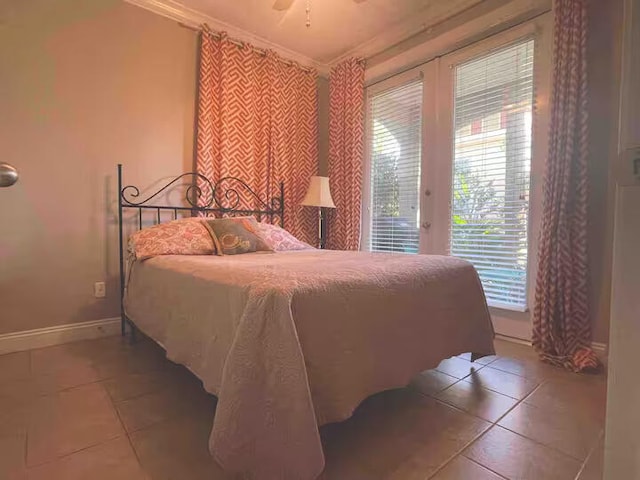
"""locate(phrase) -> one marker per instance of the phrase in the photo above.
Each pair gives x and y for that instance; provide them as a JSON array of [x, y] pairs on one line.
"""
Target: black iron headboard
[[228, 196]]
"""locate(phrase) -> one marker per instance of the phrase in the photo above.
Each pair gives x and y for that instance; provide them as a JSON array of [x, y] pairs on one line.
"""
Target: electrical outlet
[[99, 290]]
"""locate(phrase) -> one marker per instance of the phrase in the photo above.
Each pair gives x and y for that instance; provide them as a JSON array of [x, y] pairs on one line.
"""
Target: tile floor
[[105, 409]]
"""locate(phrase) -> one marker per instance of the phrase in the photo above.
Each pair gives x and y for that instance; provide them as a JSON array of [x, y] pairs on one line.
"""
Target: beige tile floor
[[105, 409]]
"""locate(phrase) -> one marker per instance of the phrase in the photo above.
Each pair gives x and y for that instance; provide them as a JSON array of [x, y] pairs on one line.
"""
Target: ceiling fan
[[282, 5]]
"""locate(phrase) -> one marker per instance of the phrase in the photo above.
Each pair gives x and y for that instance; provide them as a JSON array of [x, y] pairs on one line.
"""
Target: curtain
[[561, 322], [257, 121], [346, 142]]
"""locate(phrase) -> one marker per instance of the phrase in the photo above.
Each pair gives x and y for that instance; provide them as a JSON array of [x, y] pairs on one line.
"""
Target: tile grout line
[[496, 423], [557, 373], [492, 424], [484, 466], [60, 457], [137, 395], [544, 444], [590, 454], [537, 442], [469, 443], [68, 454], [475, 438], [509, 410], [518, 402], [126, 431], [39, 396], [537, 387], [114, 410], [504, 394], [524, 436], [513, 373], [91, 382], [56, 393], [459, 452]]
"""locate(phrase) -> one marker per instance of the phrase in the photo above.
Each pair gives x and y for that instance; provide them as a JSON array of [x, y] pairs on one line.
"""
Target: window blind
[[395, 131], [491, 170]]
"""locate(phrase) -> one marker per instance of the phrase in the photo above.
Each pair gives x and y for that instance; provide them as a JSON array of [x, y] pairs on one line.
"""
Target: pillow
[[233, 236], [279, 239], [185, 236]]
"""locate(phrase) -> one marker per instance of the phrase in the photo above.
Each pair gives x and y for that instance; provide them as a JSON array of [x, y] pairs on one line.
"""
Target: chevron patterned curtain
[[346, 151], [257, 121], [561, 321]]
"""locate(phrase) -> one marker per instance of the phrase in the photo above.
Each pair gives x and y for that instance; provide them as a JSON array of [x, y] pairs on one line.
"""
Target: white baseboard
[[599, 348], [46, 337]]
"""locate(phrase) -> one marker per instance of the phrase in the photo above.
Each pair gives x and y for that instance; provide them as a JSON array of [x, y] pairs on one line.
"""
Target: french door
[[455, 151]]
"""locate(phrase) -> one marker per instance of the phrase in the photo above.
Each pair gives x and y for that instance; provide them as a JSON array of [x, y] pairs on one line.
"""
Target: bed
[[290, 341]]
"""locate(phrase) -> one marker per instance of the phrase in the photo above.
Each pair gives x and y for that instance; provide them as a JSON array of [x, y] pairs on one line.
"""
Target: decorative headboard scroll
[[228, 196]]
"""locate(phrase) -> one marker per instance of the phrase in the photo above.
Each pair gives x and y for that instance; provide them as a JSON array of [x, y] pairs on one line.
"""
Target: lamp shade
[[318, 194]]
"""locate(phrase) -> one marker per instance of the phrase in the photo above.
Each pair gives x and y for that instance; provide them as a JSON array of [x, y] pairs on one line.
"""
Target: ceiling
[[338, 27]]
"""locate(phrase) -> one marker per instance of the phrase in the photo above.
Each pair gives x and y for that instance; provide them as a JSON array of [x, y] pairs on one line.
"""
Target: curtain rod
[[239, 43], [460, 47]]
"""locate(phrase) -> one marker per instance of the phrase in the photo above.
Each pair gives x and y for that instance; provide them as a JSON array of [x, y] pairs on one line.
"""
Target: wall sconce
[[8, 175]]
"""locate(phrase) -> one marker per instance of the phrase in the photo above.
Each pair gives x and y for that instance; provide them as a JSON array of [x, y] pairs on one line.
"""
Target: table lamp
[[319, 195]]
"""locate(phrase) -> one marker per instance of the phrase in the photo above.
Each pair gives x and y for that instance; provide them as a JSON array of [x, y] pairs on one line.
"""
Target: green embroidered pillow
[[233, 236]]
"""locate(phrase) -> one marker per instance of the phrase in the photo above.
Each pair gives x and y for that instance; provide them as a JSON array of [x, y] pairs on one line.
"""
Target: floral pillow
[[233, 236], [279, 239], [185, 236]]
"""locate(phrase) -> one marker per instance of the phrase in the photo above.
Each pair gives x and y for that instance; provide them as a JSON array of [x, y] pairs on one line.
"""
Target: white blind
[[395, 127], [491, 170]]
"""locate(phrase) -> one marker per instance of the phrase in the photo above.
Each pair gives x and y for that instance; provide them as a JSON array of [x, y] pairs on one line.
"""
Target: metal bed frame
[[227, 196]]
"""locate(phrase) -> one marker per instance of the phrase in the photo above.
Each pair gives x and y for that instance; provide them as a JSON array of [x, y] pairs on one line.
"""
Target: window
[[455, 162], [395, 125], [493, 103]]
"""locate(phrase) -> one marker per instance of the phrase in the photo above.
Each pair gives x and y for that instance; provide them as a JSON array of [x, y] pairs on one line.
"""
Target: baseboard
[[602, 351], [519, 341], [46, 337], [599, 348]]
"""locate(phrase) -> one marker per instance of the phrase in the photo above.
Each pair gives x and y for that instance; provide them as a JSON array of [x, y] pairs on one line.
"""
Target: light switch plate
[[629, 172]]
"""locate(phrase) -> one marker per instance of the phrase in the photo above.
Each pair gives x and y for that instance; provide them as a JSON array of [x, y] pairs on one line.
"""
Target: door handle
[[8, 175], [426, 225]]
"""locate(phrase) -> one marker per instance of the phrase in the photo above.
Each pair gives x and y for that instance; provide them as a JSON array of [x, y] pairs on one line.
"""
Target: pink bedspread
[[290, 341]]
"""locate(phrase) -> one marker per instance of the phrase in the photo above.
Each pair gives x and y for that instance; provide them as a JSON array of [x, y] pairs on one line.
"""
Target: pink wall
[[85, 85]]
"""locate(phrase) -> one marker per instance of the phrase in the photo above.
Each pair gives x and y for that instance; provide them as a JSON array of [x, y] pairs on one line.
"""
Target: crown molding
[[194, 18], [423, 23], [436, 14]]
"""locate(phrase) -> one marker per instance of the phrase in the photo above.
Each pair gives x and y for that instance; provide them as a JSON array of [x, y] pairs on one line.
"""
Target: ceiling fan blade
[[281, 5]]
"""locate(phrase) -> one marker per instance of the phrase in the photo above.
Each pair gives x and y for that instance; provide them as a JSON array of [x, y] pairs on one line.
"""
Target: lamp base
[[322, 228]]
